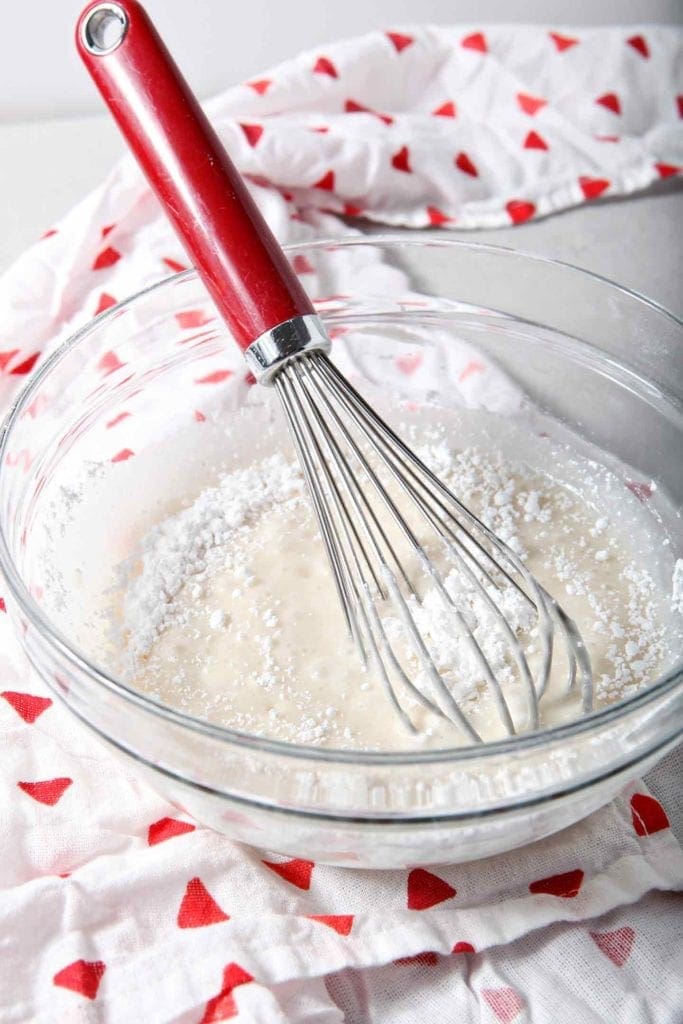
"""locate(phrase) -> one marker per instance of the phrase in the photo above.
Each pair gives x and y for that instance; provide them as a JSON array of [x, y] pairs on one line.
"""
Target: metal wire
[[365, 483]]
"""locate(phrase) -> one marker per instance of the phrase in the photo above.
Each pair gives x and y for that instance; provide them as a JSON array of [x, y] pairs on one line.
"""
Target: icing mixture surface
[[228, 612]]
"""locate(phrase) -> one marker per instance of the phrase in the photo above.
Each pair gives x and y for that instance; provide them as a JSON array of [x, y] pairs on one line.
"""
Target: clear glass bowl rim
[[526, 741]]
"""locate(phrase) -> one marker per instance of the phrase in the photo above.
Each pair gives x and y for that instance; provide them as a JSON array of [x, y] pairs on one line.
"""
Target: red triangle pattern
[[352, 107], [326, 183], [123, 455], [464, 164], [7, 356], [198, 907], [173, 265], [593, 187], [530, 104], [167, 828], [401, 160], [562, 43], [260, 85], [107, 258], [506, 1003], [639, 44], [463, 947], [616, 945], [476, 41], [192, 318], [252, 132], [610, 101], [27, 705], [297, 872], [427, 959], [48, 792], [535, 141], [106, 301], [26, 366], [437, 217], [399, 40], [217, 377], [426, 890], [447, 109], [647, 814], [341, 923], [566, 885], [520, 210], [324, 66], [667, 170], [82, 976], [223, 1006]]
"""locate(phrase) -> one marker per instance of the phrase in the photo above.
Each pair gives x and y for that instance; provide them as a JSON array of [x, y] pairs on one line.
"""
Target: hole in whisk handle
[[104, 28]]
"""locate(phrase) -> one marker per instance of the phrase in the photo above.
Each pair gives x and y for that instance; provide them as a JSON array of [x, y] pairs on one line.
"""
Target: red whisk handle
[[203, 194]]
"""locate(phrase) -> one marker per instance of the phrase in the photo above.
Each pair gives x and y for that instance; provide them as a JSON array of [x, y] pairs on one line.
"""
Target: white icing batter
[[229, 613]]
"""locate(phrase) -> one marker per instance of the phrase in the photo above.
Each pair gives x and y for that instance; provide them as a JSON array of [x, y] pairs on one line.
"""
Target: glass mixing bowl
[[595, 358]]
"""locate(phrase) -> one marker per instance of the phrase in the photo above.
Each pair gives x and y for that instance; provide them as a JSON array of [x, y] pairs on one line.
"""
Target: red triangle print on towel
[[409, 363], [610, 101], [426, 890], [530, 104], [198, 907], [302, 265], [106, 301], [223, 1006], [342, 923], [117, 419], [447, 109], [520, 210], [326, 182], [562, 42], [82, 976], [667, 170], [173, 265], [463, 947], [477, 41], [506, 1003], [252, 132], [593, 187], [167, 828], [110, 362], [352, 107], [399, 40], [463, 163], [217, 377], [261, 85], [534, 141], [324, 66], [639, 44], [647, 814], [123, 455], [107, 258], [192, 318], [615, 945], [107, 229], [566, 885], [26, 366], [427, 959], [401, 160], [27, 705], [48, 792], [3, 607], [679, 104], [438, 217], [296, 872]]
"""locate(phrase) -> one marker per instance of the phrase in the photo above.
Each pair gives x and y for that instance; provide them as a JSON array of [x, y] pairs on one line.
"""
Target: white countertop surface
[[47, 166]]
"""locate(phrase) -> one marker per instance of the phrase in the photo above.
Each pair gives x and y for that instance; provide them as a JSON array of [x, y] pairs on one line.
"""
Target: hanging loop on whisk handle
[[203, 194]]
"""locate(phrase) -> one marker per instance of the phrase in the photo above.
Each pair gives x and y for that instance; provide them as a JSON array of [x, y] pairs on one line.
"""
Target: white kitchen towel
[[115, 907]]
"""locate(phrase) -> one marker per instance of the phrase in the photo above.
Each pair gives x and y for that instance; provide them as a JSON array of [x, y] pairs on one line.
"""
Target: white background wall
[[221, 42]]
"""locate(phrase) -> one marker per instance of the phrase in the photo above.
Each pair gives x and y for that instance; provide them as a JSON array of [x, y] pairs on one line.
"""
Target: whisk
[[380, 509]]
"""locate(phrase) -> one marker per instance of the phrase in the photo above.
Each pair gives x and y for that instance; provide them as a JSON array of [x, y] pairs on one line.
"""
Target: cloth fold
[[117, 908]]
